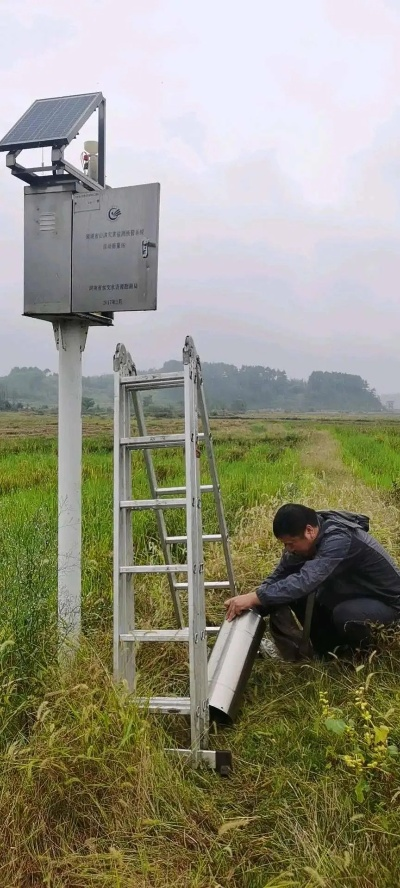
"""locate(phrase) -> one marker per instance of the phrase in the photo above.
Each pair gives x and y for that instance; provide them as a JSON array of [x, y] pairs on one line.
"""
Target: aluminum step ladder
[[128, 390]]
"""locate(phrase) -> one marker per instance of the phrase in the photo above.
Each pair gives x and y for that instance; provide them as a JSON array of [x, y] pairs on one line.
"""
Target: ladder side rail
[[161, 525], [199, 714], [215, 480], [205, 713], [123, 605], [127, 552]]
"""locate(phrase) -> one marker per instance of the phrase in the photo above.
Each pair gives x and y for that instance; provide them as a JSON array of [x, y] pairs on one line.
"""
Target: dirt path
[[328, 483], [321, 455]]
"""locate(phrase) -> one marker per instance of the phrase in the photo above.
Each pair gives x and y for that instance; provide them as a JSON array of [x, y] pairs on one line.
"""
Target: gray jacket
[[347, 562]]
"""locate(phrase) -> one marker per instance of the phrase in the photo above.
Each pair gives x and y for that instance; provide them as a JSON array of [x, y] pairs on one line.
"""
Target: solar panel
[[51, 122]]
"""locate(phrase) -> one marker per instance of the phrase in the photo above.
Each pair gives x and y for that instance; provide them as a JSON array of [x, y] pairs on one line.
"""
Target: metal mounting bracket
[[59, 333]]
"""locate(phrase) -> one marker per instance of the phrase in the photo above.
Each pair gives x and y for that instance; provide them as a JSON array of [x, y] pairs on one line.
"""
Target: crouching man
[[353, 583]]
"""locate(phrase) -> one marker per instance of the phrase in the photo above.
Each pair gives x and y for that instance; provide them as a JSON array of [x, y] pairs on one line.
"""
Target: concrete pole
[[70, 336]]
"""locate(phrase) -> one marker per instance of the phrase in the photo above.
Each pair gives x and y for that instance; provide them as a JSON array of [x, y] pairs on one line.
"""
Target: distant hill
[[228, 388]]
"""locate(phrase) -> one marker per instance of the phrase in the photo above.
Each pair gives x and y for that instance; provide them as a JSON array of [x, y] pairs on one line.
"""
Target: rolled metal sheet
[[231, 662]]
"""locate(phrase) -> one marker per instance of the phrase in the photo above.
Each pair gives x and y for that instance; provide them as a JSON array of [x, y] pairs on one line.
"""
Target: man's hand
[[235, 606]]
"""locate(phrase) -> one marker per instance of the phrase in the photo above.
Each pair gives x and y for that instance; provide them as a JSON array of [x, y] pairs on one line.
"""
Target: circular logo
[[113, 213]]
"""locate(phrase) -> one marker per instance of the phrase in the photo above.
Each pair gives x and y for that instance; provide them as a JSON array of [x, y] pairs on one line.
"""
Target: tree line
[[228, 389]]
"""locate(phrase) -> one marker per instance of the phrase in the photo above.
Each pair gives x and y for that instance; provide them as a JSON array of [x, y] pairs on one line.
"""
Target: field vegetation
[[88, 797], [373, 453]]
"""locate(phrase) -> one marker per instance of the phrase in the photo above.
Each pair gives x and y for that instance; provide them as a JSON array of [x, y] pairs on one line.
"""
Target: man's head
[[297, 528]]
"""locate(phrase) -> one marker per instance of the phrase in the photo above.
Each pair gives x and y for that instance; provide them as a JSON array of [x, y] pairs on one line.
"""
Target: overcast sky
[[274, 130]]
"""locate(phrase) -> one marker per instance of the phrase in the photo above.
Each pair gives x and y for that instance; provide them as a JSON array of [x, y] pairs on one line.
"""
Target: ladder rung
[[156, 635], [153, 568], [207, 538], [155, 442], [166, 704], [148, 377], [157, 380], [150, 442], [163, 491], [152, 381], [163, 634], [140, 505], [158, 385], [210, 584], [208, 756]]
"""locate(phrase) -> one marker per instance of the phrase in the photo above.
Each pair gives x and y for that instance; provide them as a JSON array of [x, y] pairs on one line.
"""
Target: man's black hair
[[292, 519]]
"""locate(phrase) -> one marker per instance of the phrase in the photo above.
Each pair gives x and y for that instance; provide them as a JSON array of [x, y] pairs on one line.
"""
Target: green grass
[[252, 469], [88, 797], [373, 453]]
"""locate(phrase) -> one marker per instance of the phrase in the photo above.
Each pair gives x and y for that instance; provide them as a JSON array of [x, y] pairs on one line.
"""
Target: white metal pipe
[[231, 662], [70, 339]]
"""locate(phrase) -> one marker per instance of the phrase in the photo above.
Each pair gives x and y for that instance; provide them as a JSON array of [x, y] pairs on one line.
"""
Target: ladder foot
[[218, 760], [223, 762]]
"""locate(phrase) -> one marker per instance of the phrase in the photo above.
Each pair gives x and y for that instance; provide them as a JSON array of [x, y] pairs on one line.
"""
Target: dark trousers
[[342, 617]]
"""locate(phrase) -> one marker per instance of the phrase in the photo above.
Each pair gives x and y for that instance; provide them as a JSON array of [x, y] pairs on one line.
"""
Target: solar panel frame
[[66, 126]]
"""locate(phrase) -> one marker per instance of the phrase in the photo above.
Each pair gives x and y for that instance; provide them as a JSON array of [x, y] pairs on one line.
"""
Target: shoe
[[268, 650], [288, 636]]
